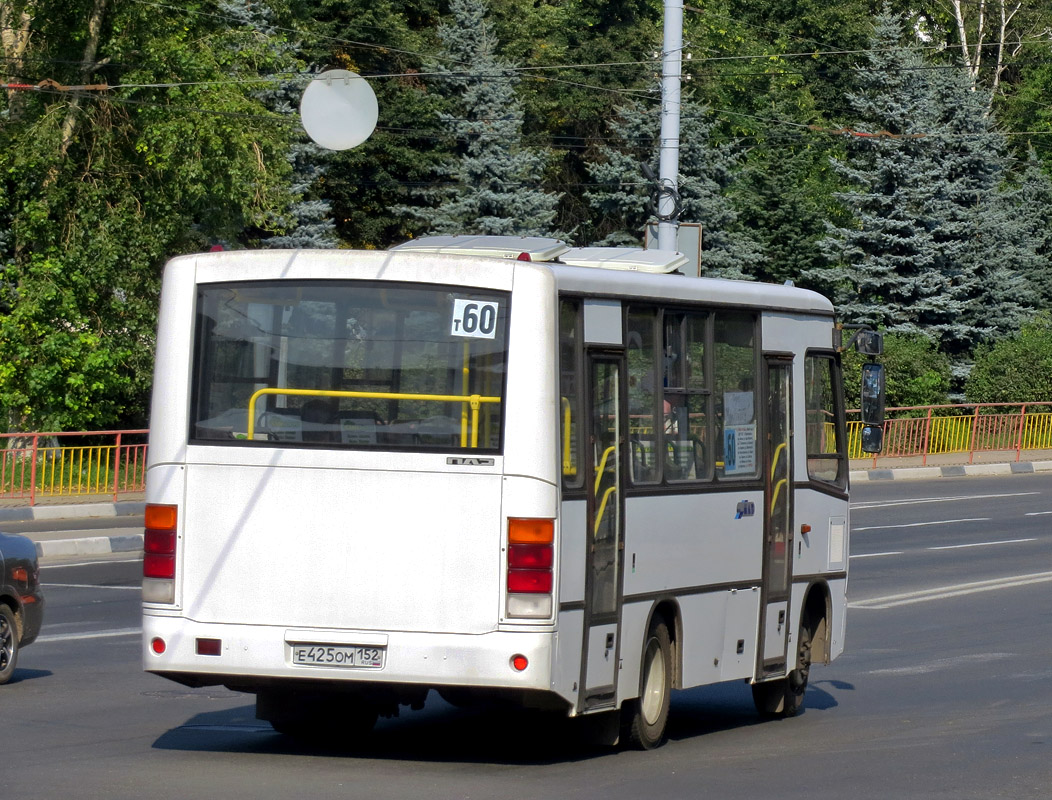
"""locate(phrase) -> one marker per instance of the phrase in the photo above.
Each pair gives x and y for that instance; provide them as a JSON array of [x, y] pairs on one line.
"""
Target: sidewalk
[[128, 539]]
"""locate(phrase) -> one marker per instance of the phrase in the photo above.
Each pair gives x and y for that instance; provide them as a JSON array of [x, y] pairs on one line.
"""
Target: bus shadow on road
[[443, 733]]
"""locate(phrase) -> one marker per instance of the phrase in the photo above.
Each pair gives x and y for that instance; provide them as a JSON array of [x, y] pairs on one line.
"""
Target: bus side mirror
[[869, 343], [872, 408]]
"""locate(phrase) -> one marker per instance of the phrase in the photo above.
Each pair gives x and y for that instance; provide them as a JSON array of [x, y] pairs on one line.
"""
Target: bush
[[915, 372], [1015, 370]]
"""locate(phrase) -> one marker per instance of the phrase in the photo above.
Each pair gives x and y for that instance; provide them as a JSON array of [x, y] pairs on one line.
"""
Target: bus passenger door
[[604, 535], [778, 517]]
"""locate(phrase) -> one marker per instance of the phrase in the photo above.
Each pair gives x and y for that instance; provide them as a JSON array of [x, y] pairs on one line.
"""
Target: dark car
[[21, 601]]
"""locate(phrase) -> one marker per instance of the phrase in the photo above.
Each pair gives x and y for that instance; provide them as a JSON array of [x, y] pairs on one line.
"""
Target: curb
[[82, 510], [957, 471], [89, 546]]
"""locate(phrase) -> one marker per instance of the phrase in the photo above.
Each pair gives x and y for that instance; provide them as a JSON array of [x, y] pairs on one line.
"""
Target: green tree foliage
[[928, 248], [1015, 370], [494, 182], [623, 197], [386, 41], [99, 188], [917, 374]]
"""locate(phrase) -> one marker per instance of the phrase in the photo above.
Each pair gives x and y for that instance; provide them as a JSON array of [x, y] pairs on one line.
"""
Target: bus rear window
[[350, 364]]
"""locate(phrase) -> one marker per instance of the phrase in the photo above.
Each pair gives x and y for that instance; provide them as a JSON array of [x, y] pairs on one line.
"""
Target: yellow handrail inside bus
[[602, 510], [774, 459], [777, 489], [464, 386], [783, 481], [474, 400], [568, 468], [602, 466]]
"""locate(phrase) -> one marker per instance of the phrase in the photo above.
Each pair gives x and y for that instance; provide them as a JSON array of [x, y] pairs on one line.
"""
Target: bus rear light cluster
[[531, 561], [159, 545]]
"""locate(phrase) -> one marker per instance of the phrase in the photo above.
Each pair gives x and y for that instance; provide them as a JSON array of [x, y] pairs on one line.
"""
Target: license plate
[[338, 655]]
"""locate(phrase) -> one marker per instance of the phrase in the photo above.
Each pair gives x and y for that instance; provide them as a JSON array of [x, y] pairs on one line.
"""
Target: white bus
[[374, 474]]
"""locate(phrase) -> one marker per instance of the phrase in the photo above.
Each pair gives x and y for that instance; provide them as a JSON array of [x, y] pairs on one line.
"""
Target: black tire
[[8, 644], [784, 697], [645, 718]]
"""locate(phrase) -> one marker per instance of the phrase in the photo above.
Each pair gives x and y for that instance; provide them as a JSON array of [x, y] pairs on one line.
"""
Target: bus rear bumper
[[248, 656]]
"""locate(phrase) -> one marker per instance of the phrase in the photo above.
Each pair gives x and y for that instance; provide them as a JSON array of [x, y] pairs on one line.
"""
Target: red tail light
[[159, 545], [531, 562]]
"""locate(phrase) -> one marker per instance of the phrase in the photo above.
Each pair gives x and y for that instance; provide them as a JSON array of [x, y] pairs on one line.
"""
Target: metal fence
[[111, 463], [72, 464], [923, 431]]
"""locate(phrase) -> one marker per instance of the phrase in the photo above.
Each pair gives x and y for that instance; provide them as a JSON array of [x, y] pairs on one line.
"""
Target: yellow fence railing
[[72, 464], [923, 431]]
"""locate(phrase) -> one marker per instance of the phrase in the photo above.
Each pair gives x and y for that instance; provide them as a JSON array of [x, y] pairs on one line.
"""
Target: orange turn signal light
[[531, 531], [160, 517]]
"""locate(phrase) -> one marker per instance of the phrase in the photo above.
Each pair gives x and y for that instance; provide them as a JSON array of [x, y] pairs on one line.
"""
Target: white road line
[[980, 544], [921, 500], [92, 563], [1037, 513], [71, 637], [89, 586], [878, 555], [957, 590], [918, 524]]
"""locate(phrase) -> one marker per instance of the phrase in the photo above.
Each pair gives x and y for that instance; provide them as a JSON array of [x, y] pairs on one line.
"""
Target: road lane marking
[[71, 637], [956, 590], [88, 586], [1036, 513], [918, 524], [92, 563], [922, 500], [980, 544], [942, 663], [877, 555]]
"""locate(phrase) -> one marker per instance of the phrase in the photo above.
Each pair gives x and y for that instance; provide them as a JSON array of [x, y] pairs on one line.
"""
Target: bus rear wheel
[[645, 718], [784, 697]]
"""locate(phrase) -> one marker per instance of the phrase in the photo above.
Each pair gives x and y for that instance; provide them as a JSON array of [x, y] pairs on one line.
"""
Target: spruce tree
[[924, 250], [1029, 205], [308, 222], [492, 185], [706, 171]]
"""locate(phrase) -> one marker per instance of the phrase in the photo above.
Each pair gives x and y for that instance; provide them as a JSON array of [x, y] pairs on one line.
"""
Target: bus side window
[[735, 361], [826, 458], [643, 392], [570, 366], [687, 397]]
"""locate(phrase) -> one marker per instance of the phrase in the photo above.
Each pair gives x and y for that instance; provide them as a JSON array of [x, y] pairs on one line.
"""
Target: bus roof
[[498, 272], [613, 283]]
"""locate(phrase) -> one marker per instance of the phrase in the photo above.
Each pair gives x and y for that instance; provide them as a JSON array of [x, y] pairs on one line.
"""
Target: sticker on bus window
[[475, 319]]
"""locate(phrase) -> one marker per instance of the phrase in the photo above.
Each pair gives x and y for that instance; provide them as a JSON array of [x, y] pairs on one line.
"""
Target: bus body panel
[[326, 548], [254, 655], [720, 548]]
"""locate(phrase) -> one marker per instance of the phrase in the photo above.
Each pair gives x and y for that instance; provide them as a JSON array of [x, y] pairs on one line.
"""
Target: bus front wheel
[[644, 719]]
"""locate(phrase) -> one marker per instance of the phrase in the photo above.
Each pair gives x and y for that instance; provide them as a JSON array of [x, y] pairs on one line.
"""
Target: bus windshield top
[[349, 364]]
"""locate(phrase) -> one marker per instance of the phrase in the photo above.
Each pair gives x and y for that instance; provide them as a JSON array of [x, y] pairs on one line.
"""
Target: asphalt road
[[945, 691]]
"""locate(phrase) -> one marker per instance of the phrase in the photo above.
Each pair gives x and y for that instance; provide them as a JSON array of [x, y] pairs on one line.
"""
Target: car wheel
[[8, 644]]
